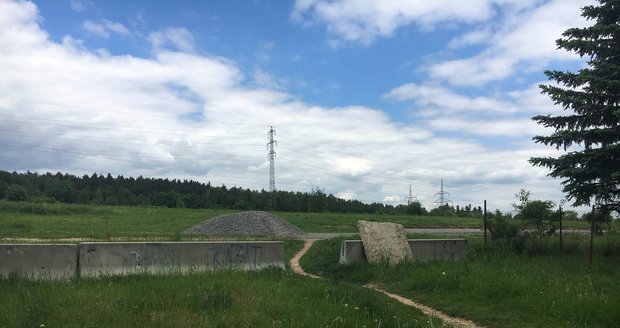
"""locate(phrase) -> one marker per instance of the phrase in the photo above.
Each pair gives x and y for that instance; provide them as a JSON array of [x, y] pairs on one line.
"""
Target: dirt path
[[295, 260], [456, 322]]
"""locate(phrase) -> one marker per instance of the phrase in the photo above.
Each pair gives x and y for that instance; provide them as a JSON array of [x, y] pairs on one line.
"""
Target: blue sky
[[260, 35], [366, 97]]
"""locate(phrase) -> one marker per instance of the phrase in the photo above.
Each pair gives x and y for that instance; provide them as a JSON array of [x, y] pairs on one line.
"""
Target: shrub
[[62, 191], [241, 205], [3, 186], [506, 233], [171, 199], [16, 193]]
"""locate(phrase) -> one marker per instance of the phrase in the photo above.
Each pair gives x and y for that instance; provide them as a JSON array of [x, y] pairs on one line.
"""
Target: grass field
[[269, 298], [492, 287], [337, 222], [49, 221], [499, 289], [38, 220]]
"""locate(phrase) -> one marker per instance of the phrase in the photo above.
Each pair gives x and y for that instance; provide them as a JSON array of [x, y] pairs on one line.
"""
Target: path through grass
[[496, 288], [269, 298]]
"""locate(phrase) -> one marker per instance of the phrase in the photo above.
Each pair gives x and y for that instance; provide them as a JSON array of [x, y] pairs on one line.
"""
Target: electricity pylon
[[442, 197]]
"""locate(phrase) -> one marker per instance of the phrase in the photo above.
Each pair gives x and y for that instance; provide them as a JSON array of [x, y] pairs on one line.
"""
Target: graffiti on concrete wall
[[236, 255], [219, 256]]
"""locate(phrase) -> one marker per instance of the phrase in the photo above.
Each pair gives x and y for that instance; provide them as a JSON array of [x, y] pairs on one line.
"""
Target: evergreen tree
[[591, 99]]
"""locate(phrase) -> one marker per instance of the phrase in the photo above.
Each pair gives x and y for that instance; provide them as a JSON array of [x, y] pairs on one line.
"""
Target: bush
[[506, 233], [443, 210], [241, 205], [16, 193], [193, 201], [3, 186], [171, 199], [62, 191]]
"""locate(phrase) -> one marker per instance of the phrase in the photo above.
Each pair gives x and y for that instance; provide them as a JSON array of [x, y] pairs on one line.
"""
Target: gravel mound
[[253, 223]]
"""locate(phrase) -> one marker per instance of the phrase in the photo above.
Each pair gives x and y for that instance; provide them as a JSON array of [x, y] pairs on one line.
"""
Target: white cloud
[[95, 28], [346, 195], [478, 36], [446, 100], [104, 28], [507, 114], [266, 80], [78, 5], [522, 41], [515, 35], [364, 20], [177, 37], [488, 127], [393, 199], [116, 27], [351, 166], [181, 114]]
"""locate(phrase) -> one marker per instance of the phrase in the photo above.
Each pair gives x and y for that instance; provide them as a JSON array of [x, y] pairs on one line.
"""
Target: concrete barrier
[[39, 261], [172, 257], [352, 251]]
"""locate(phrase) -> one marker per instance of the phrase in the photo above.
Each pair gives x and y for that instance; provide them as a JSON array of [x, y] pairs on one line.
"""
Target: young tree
[[591, 98]]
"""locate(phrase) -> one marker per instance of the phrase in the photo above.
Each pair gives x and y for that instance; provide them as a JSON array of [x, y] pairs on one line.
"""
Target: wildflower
[[357, 308], [346, 305], [42, 325], [443, 273]]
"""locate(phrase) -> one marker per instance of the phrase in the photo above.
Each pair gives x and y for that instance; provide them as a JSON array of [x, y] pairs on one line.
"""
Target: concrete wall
[[167, 257], [39, 261], [438, 249], [352, 251], [56, 261]]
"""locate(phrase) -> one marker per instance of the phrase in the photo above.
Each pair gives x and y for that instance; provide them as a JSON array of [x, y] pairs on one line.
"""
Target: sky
[[366, 97]]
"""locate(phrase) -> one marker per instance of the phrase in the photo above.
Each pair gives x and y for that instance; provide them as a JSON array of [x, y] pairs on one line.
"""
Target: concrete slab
[[384, 241], [39, 261], [438, 249], [352, 251], [173, 257]]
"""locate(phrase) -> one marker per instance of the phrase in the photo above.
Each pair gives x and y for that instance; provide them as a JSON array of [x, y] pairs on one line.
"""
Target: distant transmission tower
[[442, 197], [271, 155], [411, 198]]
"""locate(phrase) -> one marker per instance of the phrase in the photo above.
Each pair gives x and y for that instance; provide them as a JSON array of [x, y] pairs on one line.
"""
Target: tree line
[[99, 189]]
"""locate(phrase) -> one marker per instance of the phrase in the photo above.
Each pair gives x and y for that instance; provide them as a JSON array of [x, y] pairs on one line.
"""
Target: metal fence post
[[485, 221]]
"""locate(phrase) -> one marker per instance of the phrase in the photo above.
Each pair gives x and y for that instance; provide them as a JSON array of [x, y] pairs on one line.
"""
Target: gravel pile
[[253, 223]]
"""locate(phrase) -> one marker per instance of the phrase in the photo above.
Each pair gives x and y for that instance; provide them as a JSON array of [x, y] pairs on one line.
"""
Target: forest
[[99, 189]]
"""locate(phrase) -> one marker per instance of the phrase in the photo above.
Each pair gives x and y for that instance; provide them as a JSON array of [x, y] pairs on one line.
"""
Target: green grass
[[337, 222], [497, 288], [269, 298], [492, 287], [56, 221], [39, 220], [49, 221]]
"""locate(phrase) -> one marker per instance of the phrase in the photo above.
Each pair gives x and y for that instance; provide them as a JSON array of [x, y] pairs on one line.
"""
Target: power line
[[123, 141], [91, 109], [108, 126]]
